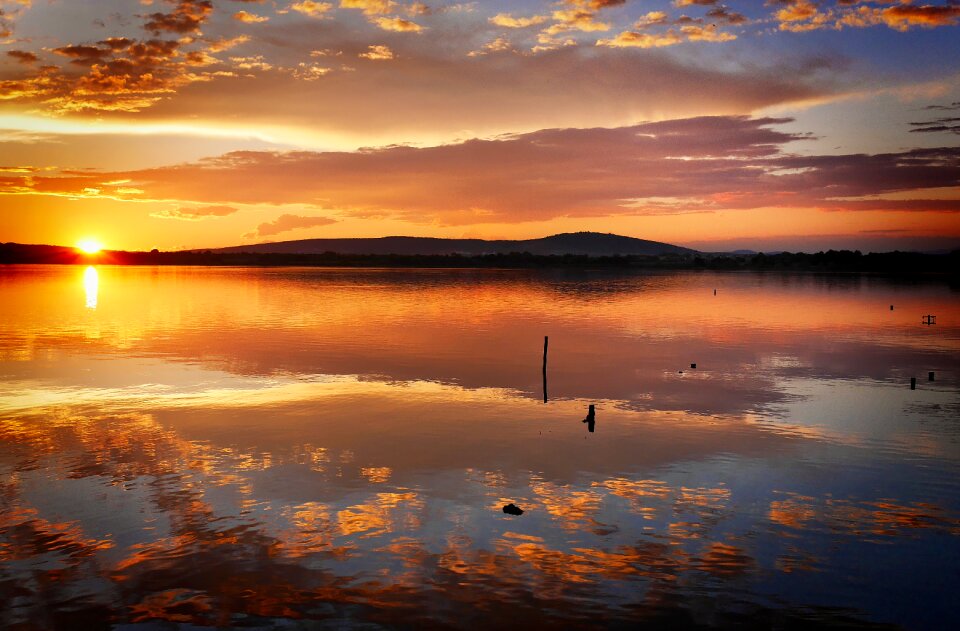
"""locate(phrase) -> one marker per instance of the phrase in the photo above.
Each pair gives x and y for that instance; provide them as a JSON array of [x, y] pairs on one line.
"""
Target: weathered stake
[[913, 383], [546, 341], [930, 376]]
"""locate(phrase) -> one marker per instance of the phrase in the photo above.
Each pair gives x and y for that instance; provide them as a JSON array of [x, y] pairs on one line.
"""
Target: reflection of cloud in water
[[363, 541]]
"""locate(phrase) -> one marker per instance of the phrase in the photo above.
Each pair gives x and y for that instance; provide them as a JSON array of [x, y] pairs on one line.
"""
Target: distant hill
[[581, 243]]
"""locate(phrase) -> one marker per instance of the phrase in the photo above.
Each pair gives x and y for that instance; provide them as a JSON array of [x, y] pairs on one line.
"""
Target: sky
[[765, 125]]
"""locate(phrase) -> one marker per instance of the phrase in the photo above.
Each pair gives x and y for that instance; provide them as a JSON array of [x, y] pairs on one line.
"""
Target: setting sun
[[89, 246]]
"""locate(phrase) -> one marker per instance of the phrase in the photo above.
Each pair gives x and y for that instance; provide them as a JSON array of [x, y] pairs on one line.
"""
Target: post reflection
[[91, 286]]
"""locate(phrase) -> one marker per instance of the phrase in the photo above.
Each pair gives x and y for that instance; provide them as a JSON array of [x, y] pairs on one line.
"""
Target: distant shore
[[829, 261]]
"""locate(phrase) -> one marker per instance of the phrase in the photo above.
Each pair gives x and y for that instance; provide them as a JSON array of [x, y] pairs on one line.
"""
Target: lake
[[332, 448]]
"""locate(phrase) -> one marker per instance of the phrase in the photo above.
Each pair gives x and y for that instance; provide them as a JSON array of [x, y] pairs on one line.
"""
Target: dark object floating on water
[[930, 376], [512, 509], [929, 319], [913, 383], [591, 419], [693, 365], [891, 307]]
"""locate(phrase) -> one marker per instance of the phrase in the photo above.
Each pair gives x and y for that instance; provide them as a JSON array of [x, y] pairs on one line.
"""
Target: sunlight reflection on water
[[91, 286]]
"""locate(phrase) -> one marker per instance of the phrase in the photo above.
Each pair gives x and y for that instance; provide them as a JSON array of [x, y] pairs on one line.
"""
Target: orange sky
[[194, 123]]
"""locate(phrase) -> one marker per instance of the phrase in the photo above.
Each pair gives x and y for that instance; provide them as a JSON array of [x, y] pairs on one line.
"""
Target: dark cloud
[[22, 56], [84, 55], [953, 106], [187, 17], [726, 16], [947, 125]]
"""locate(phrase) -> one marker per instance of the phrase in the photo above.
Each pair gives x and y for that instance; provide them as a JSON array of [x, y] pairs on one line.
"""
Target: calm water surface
[[311, 448]]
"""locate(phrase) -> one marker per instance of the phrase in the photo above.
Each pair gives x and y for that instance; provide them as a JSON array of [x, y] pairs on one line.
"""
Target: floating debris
[[693, 365], [512, 509], [929, 319]]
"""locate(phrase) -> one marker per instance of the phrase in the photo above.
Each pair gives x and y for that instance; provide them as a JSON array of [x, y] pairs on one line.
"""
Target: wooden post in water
[[546, 341], [930, 376], [913, 383]]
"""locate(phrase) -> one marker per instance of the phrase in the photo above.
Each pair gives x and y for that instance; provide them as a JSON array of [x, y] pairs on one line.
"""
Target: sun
[[89, 246]]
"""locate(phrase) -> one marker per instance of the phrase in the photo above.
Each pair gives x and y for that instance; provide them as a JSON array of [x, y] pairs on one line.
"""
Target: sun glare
[[90, 246]]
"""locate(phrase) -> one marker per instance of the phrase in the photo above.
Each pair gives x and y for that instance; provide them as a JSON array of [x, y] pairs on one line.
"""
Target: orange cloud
[[226, 43], [708, 33], [286, 223], [804, 15], [508, 21], [195, 214], [249, 18], [398, 24], [370, 7], [378, 53], [708, 163], [501, 44], [629, 39], [311, 8]]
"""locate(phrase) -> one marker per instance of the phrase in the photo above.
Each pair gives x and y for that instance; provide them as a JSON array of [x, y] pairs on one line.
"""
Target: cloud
[[370, 7], [378, 53], [708, 33], [501, 92], [501, 44], [226, 43], [671, 167], [22, 56], [10, 14], [724, 15], [508, 21], [195, 214], [805, 15], [949, 124], [905, 15], [187, 17], [286, 223], [398, 24], [312, 9], [631, 39], [691, 29], [249, 18]]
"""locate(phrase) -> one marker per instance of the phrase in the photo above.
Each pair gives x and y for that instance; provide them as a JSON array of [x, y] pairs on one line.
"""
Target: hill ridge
[[579, 243]]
